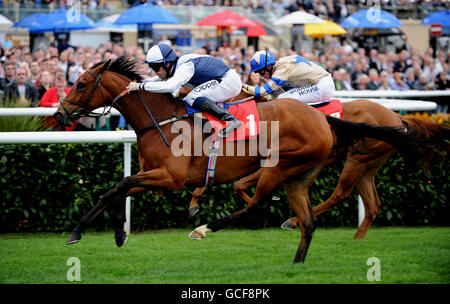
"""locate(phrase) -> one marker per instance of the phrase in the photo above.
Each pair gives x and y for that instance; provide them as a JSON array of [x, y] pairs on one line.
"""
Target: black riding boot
[[213, 108]]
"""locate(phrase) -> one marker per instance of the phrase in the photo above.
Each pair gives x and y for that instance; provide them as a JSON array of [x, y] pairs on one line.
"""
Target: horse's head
[[85, 95]]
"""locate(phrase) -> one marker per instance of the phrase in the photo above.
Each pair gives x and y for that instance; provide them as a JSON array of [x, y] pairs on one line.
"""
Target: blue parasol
[[441, 17], [146, 14], [33, 22], [62, 20], [107, 23], [371, 18]]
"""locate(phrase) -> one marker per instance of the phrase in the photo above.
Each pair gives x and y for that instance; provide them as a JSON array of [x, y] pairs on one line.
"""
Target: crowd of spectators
[[330, 9], [93, 4], [42, 78]]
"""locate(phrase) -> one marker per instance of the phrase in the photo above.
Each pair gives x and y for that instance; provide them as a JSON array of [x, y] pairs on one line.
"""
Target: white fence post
[[127, 172], [361, 211]]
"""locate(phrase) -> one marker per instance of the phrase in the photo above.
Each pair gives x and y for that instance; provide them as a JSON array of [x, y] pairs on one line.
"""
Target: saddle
[[333, 107]]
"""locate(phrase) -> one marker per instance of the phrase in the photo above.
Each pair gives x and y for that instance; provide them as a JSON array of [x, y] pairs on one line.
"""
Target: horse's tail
[[435, 135], [404, 140]]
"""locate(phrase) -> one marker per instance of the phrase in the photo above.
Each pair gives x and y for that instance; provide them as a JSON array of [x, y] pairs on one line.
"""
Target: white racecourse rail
[[125, 137], [129, 137]]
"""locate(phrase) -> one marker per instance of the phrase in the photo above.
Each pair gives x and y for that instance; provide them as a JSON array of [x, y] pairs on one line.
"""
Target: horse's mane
[[129, 68], [125, 66]]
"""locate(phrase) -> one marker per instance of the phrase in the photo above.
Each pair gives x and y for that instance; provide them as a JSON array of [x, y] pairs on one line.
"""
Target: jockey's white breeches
[[216, 91], [317, 93]]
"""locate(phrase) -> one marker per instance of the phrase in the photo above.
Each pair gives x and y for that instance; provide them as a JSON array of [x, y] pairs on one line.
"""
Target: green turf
[[407, 255]]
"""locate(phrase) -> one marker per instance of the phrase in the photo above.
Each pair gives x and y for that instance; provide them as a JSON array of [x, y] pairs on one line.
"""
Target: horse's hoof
[[288, 225], [121, 238], [74, 237], [196, 235], [193, 211]]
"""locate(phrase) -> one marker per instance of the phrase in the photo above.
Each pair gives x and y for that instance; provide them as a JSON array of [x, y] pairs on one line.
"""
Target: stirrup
[[233, 125]]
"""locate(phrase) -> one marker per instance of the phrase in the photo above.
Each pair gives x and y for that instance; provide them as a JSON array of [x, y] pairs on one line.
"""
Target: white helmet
[[161, 53]]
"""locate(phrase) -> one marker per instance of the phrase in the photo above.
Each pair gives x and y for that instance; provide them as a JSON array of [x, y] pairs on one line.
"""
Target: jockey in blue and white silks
[[306, 81], [212, 80]]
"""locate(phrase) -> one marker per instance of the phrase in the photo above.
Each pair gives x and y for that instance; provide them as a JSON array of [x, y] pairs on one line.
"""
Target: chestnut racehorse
[[303, 135], [361, 163]]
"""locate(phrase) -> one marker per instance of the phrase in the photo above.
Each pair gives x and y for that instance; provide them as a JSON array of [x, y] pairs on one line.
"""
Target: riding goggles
[[155, 66], [261, 72]]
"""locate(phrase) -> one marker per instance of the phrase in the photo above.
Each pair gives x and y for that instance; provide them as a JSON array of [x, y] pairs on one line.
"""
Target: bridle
[[83, 111]]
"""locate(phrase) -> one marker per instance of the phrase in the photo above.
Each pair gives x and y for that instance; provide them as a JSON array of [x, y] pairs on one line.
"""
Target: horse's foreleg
[[239, 189], [193, 205], [144, 180], [134, 184], [246, 182], [268, 181], [116, 197], [75, 236]]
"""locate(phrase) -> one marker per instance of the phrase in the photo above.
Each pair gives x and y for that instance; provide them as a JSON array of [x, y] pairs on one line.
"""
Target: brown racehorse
[[304, 142], [361, 163]]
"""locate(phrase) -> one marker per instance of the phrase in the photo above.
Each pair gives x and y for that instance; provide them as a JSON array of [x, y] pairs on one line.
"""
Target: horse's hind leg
[[366, 188], [353, 169], [297, 194], [349, 177], [368, 192]]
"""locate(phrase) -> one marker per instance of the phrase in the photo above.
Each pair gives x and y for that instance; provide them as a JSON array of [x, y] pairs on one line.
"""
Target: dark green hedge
[[50, 187]]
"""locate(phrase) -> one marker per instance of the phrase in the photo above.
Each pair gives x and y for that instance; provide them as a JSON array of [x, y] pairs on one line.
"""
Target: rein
[[156, 125], [153, 119]]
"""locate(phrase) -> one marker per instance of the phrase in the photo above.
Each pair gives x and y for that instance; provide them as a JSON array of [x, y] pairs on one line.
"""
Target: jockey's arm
[[278, 79], [152, 79], [268, 88], [173, 84]]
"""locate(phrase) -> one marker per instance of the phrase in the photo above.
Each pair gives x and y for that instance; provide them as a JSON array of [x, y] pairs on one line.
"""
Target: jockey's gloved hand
[[182, 92], [245, 88]]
